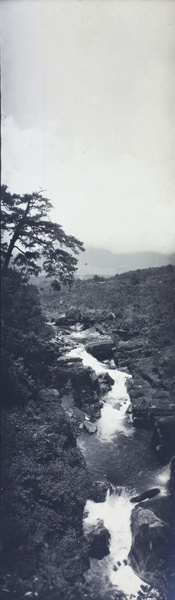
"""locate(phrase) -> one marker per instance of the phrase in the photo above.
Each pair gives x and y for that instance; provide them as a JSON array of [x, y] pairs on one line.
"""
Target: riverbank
[[136, 313], [46, 482]]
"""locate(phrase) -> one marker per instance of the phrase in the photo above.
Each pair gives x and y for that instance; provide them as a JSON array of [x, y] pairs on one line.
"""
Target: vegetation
[[44, 480], [142, 299], [25, 227]]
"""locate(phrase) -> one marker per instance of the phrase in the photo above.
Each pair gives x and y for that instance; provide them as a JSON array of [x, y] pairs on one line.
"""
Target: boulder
[[70, 317], [146, 495], [164, 436], [102, 349], [90, 427], [99, 490], [151, 546], [67, 361], [172, 479], [86, 389], [92, 410], [99, 541], [105, 382]]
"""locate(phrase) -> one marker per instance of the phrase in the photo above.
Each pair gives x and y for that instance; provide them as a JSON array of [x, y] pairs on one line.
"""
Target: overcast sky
[[88, 115]]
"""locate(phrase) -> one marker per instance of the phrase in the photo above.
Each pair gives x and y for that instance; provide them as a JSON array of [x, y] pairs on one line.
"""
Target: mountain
[[98, 261]]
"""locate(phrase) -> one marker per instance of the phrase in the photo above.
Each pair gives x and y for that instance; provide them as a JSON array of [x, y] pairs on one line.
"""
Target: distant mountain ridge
[[98, 261]]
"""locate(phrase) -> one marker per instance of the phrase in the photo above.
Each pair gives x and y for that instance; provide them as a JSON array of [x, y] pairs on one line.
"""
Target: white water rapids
[[116, 402], [113, 573]]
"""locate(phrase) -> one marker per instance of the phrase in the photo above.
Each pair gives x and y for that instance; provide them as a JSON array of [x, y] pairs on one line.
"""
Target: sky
[[88, 116]]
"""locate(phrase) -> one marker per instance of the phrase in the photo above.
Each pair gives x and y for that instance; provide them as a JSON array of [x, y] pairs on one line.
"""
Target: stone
[[146, 495], [105, 382], [90, 427], [99, 542], [85, 386], [151, 540], [172, 479], [100, 489], [164, 436], [102, 349], [70, 317]]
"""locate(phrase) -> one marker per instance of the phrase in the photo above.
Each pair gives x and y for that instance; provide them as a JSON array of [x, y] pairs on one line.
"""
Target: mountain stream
[[121, 455]]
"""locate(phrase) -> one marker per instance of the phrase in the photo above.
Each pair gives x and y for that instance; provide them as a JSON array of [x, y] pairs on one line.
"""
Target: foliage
[[143, 300], [40, 242], [44, 480], [44, 493], [27, 352]]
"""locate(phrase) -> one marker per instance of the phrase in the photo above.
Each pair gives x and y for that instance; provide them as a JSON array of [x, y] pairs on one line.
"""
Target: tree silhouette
[[40, 242]]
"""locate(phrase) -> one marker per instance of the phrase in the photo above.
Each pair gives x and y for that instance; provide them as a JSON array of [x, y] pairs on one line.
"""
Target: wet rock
[[102, 349], [164, 436], [151, 540], [92, 410], [99, 490], [67, 361], [85, 389], [146, 495], [105, 382], [90, 427], [172, 479], [99, 542]]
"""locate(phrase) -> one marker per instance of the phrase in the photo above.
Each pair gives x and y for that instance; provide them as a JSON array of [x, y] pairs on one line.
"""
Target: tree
[[40, 242]]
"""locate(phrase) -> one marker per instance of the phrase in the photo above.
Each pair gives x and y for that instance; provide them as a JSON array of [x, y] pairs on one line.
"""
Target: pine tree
[[40, 244]]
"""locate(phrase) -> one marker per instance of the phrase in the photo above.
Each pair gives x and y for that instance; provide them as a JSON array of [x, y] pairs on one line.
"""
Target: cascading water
[[121, 454], [113, 571]]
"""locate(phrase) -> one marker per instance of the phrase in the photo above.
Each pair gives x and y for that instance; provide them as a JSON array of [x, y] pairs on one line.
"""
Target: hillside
[[98, 261], [46, 395]]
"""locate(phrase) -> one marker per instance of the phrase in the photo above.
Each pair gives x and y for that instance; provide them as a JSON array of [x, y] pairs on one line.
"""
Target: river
[[123, 456]]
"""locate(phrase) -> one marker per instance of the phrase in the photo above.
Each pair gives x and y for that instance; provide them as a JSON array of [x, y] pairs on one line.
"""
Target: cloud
[[122, 205], [22, 157]]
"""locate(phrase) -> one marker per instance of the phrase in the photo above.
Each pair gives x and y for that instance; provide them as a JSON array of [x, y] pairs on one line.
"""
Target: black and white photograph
[[87, 300]]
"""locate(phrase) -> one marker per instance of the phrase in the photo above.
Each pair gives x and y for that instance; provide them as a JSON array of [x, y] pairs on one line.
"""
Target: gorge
[[92, 467]]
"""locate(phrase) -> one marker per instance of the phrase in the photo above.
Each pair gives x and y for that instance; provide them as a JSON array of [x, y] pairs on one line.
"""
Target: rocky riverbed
[[142, 346], [127, 326]]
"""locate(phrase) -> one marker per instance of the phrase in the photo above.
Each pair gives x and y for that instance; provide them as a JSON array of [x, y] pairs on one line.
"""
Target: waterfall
[[117, 440]]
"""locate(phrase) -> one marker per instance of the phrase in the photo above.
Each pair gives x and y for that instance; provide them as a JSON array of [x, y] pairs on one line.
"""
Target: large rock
[[99, 541], [105, 382], [90, 427], [151, 550], [150, 400], [99, 490], [86, 389], [146, 495], [172, 480], [71, 316], [102, 349], [164, 436]]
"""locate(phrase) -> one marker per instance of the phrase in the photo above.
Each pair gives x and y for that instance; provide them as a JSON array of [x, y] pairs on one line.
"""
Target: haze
[[88, 116]]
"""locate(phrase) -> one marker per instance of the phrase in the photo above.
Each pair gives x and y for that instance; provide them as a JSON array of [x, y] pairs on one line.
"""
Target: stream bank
[[123, 457], [45, 480]]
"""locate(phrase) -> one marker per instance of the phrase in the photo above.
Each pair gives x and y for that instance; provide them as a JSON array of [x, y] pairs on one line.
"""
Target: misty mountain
[[98, 261]]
